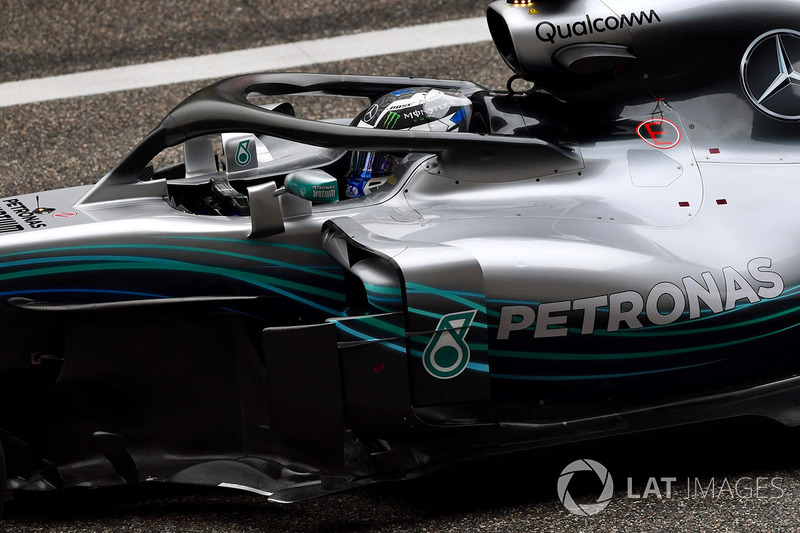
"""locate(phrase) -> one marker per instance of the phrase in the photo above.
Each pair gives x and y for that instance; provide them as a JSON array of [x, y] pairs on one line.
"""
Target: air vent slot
[[502, 39]]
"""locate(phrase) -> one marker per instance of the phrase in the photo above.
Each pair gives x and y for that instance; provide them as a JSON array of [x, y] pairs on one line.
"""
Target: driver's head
[[415, 108]]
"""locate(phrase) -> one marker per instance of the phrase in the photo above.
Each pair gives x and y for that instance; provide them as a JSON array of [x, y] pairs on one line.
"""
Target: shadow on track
[[454, 497]]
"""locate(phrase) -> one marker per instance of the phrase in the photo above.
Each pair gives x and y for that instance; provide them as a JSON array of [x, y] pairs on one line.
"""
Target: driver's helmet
[[415, 108]]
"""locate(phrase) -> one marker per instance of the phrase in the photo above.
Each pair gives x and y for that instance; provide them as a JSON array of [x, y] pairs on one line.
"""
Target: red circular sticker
[[659, 133], [65, 214]]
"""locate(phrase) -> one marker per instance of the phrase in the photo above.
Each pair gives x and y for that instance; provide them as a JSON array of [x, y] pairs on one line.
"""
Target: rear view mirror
[[266, 215]]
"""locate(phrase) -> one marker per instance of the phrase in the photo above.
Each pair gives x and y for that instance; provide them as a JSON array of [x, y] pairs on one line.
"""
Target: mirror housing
[[266, 215], [314, 185]]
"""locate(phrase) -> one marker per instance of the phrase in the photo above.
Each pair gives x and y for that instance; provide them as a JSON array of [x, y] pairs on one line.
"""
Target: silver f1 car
[[301, 307]]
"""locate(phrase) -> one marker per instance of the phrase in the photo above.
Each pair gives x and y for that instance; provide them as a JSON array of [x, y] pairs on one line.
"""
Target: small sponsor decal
[[659, 133], [8, 224], [391, 120], [243, 153], [447, 353], [371, 112], [324, 192], [28, 216], [65, 214], [435, 111]]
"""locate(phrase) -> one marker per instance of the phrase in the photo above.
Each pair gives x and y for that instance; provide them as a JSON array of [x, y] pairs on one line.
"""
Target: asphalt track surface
[[754, 467]]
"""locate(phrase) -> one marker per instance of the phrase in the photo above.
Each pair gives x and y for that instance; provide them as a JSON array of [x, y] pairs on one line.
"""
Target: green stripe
[[392, 291], [281, 264], [164, 264], [640, 333], [450, 295], [438, 316], [382, 325], [305, 249], [635, 355]]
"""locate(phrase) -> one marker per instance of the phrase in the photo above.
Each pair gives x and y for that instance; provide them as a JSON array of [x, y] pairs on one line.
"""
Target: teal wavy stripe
[[317, 271], [269, 283], [82, 291], [163, 264], [476, 367], [656, 333], [381, 325], [304, 249], [380, 289], [381, 308], [439, 316], [389, 328], [424, 340], [391, 302], [594, 377], [512, 302], [387, 299], [418, 287], [82, 259], [708, 315], [454, 296], [415, 288], [369, 338], [634, 355]]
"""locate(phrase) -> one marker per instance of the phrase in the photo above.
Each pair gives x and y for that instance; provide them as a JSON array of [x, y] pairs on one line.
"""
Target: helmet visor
[[366, 165]]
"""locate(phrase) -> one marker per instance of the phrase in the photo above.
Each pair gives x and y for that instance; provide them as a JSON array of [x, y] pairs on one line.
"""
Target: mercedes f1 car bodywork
[[613, 250]]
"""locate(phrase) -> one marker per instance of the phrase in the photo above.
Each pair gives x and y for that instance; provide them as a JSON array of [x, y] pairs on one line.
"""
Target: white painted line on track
[[276, 57]]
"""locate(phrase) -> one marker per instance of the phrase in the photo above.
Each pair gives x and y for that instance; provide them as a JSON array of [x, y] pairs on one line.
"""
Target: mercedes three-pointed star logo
[[770, 75]]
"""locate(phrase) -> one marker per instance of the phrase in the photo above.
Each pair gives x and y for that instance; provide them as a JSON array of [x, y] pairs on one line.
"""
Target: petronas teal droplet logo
[[243, 153], [447, 353]]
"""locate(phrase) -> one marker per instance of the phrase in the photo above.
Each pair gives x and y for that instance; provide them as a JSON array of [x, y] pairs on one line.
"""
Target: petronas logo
[[243, 153], [447, 354], [391, 120]]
